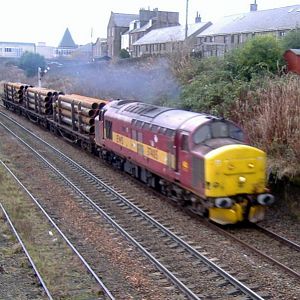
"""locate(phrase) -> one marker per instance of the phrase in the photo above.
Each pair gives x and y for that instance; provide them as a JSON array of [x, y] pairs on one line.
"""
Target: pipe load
[[42, 104], [42, 91], [86, 128], [15, 91], [101, 102], [36, 98], [70, 99], [84, 111], [43, 110], [67, 113], [39, 98]]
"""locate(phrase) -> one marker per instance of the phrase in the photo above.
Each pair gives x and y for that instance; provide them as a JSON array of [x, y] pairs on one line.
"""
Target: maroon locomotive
[[196, 159]]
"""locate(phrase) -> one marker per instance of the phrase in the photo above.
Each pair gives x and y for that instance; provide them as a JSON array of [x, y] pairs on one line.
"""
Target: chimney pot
[[198, 18], [253, 7]]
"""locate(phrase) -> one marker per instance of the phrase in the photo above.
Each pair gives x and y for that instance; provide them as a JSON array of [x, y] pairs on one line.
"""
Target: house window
[[147, 48], [7, 49], [281, 33], [232, 39]]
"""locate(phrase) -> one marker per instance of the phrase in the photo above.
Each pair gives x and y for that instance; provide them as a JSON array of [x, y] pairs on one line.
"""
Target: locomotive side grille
[[197, 171]]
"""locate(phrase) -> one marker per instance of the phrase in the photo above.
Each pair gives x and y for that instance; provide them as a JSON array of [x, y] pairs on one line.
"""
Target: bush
[[30, 62], [291, 40], [271, 117], [258, 56], [212, 90], [124, 53]]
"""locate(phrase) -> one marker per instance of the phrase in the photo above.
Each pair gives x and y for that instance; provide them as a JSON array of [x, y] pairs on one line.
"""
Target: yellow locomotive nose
[[234, 170]]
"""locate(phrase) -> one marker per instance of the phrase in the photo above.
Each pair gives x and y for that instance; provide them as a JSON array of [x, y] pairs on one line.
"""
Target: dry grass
[[271, 117]]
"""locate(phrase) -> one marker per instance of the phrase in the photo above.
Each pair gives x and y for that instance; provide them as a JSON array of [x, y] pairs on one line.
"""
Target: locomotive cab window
[[217, 129], [236, 133], [108, 129], [202, 134]]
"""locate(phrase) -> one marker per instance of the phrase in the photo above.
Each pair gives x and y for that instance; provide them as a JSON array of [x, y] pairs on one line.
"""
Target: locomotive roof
[[171, 118]]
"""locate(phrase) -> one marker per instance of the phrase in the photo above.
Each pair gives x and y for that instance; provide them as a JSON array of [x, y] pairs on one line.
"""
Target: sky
[[46, 21]]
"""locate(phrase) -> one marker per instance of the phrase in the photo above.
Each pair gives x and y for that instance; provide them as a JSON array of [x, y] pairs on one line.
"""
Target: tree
[[124, 53], [258, 56], [291, 40], [30, 62]]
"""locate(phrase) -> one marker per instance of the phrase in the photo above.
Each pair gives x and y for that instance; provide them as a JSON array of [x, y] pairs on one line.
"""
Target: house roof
[[170, 34], [17, 44], [295, 51], [143, 28], [123, 20], [256, 21], [67, 40]]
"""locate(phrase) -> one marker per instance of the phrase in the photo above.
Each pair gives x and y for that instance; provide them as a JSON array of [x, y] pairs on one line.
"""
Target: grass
[[51, 255]]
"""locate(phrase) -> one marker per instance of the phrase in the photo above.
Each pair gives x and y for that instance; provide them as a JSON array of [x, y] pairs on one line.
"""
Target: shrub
[[29, 62], [258, 56], [271, 116], [124, 53], [291, 40]]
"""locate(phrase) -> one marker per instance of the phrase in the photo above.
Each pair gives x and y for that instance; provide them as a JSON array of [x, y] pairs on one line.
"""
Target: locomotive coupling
[[265, 199]]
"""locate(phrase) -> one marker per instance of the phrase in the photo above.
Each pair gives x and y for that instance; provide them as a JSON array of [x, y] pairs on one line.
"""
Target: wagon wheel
[[86, 146]]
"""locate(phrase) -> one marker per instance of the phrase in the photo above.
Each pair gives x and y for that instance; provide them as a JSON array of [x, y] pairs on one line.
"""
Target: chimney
[[253, 7], [198, 18]]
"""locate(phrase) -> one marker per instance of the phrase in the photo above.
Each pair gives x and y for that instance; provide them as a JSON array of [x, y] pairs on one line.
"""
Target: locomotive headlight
[[242, 179], [223, 202], [265, 199]]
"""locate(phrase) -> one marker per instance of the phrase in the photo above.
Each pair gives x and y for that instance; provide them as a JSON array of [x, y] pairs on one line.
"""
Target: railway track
[[186, 267], [106, 294], [16, 234], [280, 251]]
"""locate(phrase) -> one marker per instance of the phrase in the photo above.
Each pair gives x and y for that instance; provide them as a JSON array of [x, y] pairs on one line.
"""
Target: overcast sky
[[45, 21]]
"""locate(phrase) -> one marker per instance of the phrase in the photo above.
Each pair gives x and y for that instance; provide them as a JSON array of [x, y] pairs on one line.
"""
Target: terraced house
[[231, 31], [167, 40]]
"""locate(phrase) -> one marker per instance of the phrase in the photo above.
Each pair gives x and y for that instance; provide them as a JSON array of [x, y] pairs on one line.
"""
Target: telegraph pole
[[186, 18]]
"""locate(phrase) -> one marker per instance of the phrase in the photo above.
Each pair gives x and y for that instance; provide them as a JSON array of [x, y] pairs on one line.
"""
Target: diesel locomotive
[[200, 161]]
